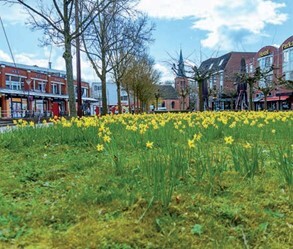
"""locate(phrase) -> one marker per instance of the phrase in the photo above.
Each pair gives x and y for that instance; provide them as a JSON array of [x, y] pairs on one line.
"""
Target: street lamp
[[28, 111]]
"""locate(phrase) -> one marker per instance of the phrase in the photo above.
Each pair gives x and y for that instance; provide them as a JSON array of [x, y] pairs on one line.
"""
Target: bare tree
[[199, 75], [267, 84], [251, 79], [117, 32], [56, 20], [287, 84], [259, 79], [131, 36]]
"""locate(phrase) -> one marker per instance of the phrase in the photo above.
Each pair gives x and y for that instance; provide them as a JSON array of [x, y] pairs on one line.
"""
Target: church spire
[[181, 70]]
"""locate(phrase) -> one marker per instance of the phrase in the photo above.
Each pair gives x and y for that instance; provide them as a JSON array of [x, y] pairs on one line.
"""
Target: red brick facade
[[32, 91]]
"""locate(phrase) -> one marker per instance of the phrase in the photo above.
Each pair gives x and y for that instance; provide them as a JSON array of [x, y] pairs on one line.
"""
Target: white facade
[[111, 92]]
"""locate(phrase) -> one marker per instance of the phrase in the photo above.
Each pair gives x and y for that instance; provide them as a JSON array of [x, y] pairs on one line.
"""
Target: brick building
[[281, 59], [167, 98], [28, 91], [219, 90]]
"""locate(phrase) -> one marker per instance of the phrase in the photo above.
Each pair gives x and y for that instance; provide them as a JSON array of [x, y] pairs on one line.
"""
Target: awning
[[40, 94], [275, 98], [32, 93]]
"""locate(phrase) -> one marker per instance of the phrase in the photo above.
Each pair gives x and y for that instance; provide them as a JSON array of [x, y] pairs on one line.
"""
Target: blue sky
[[202, 28]]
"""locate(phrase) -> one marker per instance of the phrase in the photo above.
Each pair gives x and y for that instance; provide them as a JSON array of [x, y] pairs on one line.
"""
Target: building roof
[[220, 63], [40, 94], [216, 64], [167, 92], [35, 68], [181, 70]]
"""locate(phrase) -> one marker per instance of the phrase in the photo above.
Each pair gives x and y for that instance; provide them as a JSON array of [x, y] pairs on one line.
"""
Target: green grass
[[58, 191]]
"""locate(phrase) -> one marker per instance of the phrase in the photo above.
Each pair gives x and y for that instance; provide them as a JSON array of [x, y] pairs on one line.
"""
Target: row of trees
[[112, 33]]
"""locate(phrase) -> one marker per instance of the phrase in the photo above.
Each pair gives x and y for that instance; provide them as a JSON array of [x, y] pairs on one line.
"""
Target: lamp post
[[78, 68], [27, 112]]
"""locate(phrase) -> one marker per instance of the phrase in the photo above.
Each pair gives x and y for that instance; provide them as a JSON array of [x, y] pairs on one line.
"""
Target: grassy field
[[200, 180]]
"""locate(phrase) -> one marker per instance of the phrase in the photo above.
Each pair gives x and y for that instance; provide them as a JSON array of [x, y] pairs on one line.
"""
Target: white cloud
[[4, 56], [166, 72], [13, 15], [57, 60], [227, 22]]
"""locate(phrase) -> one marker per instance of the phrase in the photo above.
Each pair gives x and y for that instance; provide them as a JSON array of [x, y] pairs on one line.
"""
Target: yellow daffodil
[[247, 145], [100, 147], [229, 140], [191, 143], [106, 139], [149, 144], [197, 137]]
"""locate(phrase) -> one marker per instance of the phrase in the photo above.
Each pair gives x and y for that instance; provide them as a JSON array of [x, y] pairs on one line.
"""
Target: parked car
[[162, 108]]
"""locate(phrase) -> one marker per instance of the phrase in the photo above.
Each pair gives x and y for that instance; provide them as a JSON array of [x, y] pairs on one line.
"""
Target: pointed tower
[[182, 84], [181, 70]]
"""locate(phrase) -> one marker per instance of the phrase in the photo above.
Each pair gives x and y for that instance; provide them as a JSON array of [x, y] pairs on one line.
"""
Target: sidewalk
[[12, 127]]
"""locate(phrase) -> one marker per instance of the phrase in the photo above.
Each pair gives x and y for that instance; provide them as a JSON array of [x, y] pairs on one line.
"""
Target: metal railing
[[25, 114]]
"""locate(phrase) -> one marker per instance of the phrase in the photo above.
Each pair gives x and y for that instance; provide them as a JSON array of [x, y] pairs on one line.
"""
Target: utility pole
[[78, 74]]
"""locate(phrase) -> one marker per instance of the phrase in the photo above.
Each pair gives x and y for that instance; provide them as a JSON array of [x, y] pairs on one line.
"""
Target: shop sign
[[16, 99], [264, 53], [287, 45]]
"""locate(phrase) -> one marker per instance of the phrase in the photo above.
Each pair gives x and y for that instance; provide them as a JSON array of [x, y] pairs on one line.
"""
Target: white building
[[111, 93]]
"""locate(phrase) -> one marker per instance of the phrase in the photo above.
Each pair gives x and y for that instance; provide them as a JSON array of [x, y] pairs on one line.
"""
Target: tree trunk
[[137, 104], [69, 74], [134, 101], [119, 97], [265, 107], [183, 102], [104, 94], [200, 95], [251, 107], [129, 101], [231, 104]]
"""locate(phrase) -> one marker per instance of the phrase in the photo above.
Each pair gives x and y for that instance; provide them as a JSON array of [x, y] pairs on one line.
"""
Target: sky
[[201, 28]]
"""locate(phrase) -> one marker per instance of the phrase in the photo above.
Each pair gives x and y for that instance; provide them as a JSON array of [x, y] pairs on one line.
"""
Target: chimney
[[50, 65]]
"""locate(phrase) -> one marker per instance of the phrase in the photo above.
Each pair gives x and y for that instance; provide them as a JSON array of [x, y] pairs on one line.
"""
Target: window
[[288, 63], [173, 104], [221, 62], [182, 84], [211, 82], [221, 79], [55, 89], [14, 82], [41, 86], [84, 92], [266, 82], [97, 88], [265, 62]]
